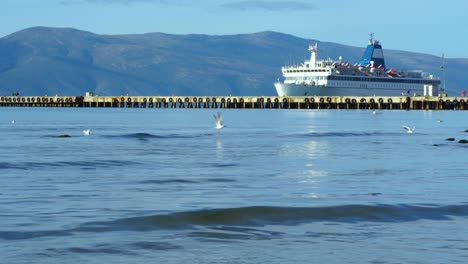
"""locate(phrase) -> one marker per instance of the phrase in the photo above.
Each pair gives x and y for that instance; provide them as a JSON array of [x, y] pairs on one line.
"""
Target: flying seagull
[[86, 132], [219, 120], [408, 129]]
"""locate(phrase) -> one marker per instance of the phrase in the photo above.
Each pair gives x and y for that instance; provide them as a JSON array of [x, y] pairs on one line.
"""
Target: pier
[[242, 102]]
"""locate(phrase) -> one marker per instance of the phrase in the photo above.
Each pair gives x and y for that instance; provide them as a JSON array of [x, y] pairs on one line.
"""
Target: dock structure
[[242, 102]]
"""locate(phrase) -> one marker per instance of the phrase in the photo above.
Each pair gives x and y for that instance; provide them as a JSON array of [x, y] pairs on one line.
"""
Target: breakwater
[[242, 102]]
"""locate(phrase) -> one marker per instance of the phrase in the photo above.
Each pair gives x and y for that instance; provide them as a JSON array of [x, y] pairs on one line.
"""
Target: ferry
[[368, 77]]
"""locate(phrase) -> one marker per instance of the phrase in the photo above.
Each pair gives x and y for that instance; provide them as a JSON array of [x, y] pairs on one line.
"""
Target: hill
[[40, 61]]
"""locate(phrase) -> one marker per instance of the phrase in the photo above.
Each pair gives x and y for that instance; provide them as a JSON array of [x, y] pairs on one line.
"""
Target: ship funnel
[[373, 53]]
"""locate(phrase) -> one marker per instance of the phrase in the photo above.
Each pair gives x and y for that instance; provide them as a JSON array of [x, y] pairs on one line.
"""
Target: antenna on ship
[[443, 74], [371, 38]]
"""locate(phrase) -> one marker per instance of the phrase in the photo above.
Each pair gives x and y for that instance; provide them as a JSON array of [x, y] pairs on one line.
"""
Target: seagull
[[409, 130], [219, 121], [86, 132], [439, 120], [12, 121]]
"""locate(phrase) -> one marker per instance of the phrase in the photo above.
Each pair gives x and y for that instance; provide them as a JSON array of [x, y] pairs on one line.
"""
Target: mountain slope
[[38, 61]]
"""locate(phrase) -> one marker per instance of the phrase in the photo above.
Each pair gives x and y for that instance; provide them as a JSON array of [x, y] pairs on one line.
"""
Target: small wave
[[220, 180], [19, 235], [225, 165], [153, 245], [236, 233], [167, 181], [217, 165], [141, 135], [94, 250], [97, 249], [260, 216], [184, 181], [119, 249], [343, 134], [28, 165], [59, 136], [10, 165], [222, 236], [148, 136]]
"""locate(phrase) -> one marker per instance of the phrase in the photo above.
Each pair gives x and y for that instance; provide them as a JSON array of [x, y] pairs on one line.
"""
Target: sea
[[273, 186]]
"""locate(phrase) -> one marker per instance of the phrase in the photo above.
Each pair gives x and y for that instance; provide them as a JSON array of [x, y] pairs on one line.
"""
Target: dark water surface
[[274, 186]]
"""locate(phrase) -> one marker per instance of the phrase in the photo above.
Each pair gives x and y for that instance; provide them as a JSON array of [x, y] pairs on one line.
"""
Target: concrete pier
[[242, 102]]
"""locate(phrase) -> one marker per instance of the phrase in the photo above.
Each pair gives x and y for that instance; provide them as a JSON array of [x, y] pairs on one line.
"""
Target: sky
[[423, 26]]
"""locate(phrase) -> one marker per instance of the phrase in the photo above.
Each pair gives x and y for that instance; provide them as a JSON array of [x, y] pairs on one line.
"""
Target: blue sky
[[426, 26]]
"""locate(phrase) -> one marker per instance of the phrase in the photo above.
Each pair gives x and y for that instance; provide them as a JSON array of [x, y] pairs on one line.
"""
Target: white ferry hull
[[310, 90]]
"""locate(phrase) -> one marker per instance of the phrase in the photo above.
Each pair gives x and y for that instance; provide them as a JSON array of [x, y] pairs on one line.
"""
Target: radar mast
[[443, 89]]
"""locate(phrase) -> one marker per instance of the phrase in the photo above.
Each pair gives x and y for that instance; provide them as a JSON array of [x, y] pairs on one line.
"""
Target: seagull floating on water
[[219, 120], [86, 132], [439, 120], [12, 121], [408, 129]]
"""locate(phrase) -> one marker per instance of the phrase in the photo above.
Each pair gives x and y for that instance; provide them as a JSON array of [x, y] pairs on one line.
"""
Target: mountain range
[[67, 61]]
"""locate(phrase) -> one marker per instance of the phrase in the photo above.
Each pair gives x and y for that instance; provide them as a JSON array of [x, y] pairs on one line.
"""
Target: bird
[[439, 120], [12, 121], [86, 132], [408, 129], [219, 121]]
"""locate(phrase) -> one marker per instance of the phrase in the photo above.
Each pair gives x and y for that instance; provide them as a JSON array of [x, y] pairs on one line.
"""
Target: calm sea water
[[274, 186]]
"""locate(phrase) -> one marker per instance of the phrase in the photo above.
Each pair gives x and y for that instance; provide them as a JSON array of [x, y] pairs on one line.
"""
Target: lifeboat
[[393, 73]]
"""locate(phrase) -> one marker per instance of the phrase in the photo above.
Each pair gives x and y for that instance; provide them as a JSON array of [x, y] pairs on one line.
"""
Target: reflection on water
[[311, 149], [219, 148]]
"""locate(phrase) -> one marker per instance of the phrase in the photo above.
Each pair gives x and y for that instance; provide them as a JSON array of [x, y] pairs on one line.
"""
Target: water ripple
[[29, 165]]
